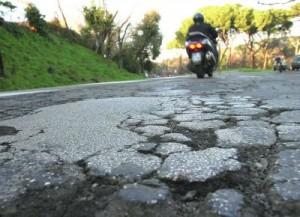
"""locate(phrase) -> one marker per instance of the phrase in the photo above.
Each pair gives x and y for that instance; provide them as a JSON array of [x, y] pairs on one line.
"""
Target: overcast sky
[[172, 11]]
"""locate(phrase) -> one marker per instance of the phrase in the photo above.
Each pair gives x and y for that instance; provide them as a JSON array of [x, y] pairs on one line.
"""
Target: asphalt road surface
[[176, 147]]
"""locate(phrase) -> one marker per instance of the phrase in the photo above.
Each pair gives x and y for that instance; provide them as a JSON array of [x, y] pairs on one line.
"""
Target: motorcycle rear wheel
[[200, 75], [210, 73]]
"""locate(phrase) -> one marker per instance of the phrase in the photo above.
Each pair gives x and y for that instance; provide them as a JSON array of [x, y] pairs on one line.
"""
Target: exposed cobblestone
[[246, 137], [199, 166]]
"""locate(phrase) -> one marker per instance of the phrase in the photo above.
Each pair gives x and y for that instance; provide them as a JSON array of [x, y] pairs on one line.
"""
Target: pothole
[[4, 147], [181, 189], [8, 131]]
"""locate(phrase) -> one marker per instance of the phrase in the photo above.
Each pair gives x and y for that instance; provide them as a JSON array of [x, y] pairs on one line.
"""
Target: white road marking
[[70, 87]]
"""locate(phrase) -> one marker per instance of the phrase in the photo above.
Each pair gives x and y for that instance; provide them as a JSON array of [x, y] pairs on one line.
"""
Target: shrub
[[36, 19]]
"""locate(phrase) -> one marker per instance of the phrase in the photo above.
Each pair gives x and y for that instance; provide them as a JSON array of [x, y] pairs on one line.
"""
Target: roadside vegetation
[[33, 61], [246, 70], [37, 53]]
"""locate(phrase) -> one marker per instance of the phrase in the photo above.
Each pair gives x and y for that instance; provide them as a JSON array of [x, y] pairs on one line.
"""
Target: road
[[227, 146]]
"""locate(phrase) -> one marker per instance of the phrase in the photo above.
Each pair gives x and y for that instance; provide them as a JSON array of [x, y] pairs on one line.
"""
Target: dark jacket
[[205, 28]]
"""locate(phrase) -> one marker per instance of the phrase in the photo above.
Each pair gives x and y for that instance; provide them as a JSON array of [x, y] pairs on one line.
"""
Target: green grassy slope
[[32, 61]]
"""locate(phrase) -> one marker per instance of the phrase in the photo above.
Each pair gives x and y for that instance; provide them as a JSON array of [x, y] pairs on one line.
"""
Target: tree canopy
[[6, 4], [100, 22], [147, 39], [36, 19], [236, 18]]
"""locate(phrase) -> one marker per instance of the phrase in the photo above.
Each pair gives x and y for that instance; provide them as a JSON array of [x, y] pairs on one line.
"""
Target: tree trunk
[[265, 60], [252, 59], [142, 66], [97, 46], [121, 62], [141, 58], [121, 40], [266, 53], [223, 56], [120, 57], [251, 52], [297, 50], [266, 56], [100, 46], [1, 66], [224, 38], [62, 14], [229, 57]]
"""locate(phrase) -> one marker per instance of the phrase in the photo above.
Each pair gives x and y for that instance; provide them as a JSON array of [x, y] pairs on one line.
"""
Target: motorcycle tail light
[[192, 46], [195, 46], [199, 45]]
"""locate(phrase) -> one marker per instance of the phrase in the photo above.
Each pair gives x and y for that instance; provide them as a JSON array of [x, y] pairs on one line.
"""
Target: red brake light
[[199, 45], [192, 46], [195, 46]]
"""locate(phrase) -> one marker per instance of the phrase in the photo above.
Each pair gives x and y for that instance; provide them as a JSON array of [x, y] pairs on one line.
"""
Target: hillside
[[32, 61]]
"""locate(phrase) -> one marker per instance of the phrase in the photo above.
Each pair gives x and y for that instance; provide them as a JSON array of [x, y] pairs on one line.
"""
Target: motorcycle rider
[[278, 62], [200, 26], [195, 33]]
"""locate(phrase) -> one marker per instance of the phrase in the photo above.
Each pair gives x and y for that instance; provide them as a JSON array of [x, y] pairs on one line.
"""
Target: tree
[[36, 19], [271, 22], [6, 4], [121, 31], [245, 23], [180, 34], [130, 62], [223, 18], [295, 10], [147, 39], [295, 43], [266, 23], [100, 22]]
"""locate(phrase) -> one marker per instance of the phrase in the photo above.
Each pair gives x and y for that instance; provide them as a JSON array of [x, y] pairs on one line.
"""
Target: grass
[[33, 61], [247, 70]]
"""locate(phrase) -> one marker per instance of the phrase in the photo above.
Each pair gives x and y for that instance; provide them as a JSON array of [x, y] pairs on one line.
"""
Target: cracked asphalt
[[227, 146]]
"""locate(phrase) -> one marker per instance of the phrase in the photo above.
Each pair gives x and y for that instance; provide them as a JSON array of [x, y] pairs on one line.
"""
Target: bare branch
[[124, 23], [275, 3], [125, 32], [114, 16]]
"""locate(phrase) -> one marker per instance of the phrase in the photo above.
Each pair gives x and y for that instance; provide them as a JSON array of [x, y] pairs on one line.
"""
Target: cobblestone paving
[[169, 152]]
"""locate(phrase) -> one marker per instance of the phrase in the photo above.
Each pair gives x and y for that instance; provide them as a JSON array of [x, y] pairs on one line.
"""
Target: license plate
[[196, 57]]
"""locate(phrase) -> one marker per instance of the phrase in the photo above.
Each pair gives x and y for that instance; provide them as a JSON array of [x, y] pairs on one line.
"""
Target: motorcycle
[[280, 64], [279, 67], [203, 56]]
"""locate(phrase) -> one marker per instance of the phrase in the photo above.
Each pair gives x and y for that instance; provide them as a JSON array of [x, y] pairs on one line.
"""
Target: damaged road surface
[[227, 146]]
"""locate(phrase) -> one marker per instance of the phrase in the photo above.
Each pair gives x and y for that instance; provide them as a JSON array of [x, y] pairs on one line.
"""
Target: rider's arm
[[188, 34], [214, 33]]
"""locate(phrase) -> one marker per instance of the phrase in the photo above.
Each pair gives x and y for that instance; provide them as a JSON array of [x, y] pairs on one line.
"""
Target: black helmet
[[198, 18]]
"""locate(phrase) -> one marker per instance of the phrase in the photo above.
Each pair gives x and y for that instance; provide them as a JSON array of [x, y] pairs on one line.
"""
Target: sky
[[172, 11]]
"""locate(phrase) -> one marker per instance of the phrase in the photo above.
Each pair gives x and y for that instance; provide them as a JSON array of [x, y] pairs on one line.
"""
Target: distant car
[[296, 63], [283, 62]]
